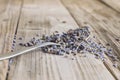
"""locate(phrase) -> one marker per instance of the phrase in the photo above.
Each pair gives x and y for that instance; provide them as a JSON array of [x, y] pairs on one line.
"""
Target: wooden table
[[26, 18]]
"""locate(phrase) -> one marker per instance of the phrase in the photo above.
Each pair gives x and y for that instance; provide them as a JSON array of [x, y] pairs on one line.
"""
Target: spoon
[[24, 50]]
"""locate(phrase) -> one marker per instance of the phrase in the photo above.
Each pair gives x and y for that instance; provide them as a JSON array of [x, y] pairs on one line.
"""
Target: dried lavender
[[20, 38], [73, 42]]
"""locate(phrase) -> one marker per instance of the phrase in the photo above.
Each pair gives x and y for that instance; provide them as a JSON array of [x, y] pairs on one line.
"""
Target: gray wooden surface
[[26, 18]]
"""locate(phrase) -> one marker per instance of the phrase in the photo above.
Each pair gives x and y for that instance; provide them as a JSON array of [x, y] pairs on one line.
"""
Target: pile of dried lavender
[[73, 42]]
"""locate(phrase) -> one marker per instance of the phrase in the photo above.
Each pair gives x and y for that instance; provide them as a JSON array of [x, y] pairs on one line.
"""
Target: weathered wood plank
[[8, 22], [98, 15], [3, 5], [115, 4], [45, 17]]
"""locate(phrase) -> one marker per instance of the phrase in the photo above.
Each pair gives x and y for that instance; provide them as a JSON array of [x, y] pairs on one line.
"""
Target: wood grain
[[47, 18], [8, 22], [114, 4], [93, 13], [26, 18], [3, 6]]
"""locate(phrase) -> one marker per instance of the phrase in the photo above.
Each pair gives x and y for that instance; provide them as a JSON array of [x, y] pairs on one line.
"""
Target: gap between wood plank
[[106, 4], [7, 74], [22, 1]]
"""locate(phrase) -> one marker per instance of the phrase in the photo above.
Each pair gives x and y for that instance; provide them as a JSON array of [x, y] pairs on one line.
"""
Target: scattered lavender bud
[[33, 38], [117, 39], [10, 61], [115, 64], [14, 35], [13, 45], [37, 35], [73, 59], [72, 42], [14, 38], [94, 37], [21, 44], [74, 54], [20, 38], [30, 44], [107, 44], [14, 41], [26, 45], [63, 21], [11, 50]]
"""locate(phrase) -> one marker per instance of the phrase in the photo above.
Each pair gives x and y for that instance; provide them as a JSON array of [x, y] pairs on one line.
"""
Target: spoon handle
[[24, 50]]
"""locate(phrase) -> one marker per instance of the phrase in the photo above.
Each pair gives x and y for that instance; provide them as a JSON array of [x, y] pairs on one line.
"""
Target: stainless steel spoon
[[24, 50]]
